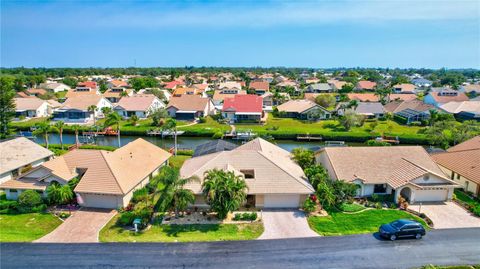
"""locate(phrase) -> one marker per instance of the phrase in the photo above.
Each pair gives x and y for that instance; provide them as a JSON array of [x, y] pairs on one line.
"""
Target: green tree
[[134, 120], [59, 194], [158, 116], [70, 81], [60, 125], [92, 109], [76, 129], [44, 128], [303, 157], [114, 119], [383, 93], [316, 174], [106, 110], [224, 191], [325, 100], [400, 79], [7, 105], [325, 195], [350, 119], [30, 198], [347, 88]]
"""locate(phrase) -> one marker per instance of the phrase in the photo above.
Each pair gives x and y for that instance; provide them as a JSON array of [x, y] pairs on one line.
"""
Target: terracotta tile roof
[[457, 107], [311, 96], [139, 102], [472, 88], [88, 84], [28, 103], [464, 162], [363, 97], [405, 87], [23, 95], [259, 85], [189, 102], [366, 85], [417, 105], [402, 96], [74, 93], [36, 91], [118, 83], [219, 96], [24, 184], [81, 102], [18, 152], [173, 84], [243, 103], [274, 171], [297, 106], [472, 143], [460, 97], [185, 90], [116, 94], [200, 86]]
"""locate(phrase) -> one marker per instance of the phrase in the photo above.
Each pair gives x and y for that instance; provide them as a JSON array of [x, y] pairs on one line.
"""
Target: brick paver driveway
[[83, 226], [285, 224], [447, 215]]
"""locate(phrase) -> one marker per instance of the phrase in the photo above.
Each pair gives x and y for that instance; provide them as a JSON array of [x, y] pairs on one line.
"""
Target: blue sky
[[376, 33]]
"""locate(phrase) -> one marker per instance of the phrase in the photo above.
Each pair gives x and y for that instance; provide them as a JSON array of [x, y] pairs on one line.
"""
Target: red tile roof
[[244, 103], [366, 85], [173, 84], [88, 84], [260, 85]]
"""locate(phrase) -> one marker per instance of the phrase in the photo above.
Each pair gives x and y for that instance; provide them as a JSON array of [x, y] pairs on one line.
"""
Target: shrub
[[126, 218], [140, 195], [416, 123], [217, 135], [202, 120], [245, 216], [39, 208], [309, 205], [375, 197], [30, 198], [393, 206], [375, 143], [476, 211], [64, 215], [378, 205], [8, 206], [3, 196]]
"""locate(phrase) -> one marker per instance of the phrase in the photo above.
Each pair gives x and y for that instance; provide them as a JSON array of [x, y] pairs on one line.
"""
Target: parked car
[[402, 228]]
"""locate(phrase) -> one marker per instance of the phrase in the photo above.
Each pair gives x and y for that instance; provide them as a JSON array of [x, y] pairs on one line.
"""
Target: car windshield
[[397, 224]]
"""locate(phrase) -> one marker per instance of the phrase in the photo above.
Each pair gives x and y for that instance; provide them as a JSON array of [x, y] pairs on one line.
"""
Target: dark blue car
[[402, 228]]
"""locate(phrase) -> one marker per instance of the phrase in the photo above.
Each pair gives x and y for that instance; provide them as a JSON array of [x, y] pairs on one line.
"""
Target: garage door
[[430, 195], [99, 201], [282, 201], [185, 116]]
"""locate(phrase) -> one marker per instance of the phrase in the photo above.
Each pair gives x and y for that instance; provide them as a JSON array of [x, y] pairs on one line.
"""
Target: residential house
[[337, 84], [114, 83], [406, 171], [220, 95], [458, 107], [461, 164], [76, 109], [19, 155], [470, 88], [172, 85], [273, 179], [243, 108], [404, 88], [83, 89], [413, 110], [421, 82], [55, 87], [190, 107], [267, 101], [36, 92], [188, 91], [116, 93], [303, 109], [260, 87], [107, 179], [311, 80], [401, 97], [368, 109], [213, 146], [319, 88], [140, 105], [202, 87], [230, 86], [365, 85], [439, 98], [32, 108], [363, 97]]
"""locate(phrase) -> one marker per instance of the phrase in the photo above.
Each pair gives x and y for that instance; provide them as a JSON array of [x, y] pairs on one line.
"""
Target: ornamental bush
[[30, 198]]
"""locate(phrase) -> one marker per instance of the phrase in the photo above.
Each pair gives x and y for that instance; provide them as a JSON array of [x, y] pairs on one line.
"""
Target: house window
[[458, 176], [248, 173], [13, 190], [426, 177], [380, 188]]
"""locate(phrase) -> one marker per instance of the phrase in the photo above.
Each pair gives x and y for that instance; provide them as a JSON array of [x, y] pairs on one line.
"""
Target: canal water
[[183, 142]]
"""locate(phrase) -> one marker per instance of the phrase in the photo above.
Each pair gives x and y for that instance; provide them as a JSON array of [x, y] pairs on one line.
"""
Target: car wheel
[[393, 237], [418, 236]]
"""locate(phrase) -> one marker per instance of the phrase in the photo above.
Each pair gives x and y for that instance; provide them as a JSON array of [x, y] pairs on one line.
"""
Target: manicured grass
[[208, 128], [368, 221], [351, 207], [177, 161], [182, 233], [26, 227], [463, 197]]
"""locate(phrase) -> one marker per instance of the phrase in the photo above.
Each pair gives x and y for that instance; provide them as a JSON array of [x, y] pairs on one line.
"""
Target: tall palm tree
[[60, 125], [224, 191], [59, 194], [106, 110], [76, 129], [44, 128], [171, 125], [92, 109], [134, 120], [353, 104], [114, 119]]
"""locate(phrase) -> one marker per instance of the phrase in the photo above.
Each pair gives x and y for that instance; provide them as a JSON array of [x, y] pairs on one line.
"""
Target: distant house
[[365, 85], [140, 105], [413, 110], [201, 86], [267, 100], [189, 91], [260, 87], [303, 109], [75, 109], [36, 92], [230, 87], [368, 109], [363, 97], [19, 155], [439, 98], [404, 88], [55, 87], [116, 93], [319, 88], [220, 95], [311, 80], [461, 164], [32, 108], [406, 171], [401, 96], [117, 84], [337, 84], [214, 146], [190, 107], [455, 108], [172, 85], [83, 89], [243, 108], [470, 88], [107, 179], [421, 82], [273, 179]]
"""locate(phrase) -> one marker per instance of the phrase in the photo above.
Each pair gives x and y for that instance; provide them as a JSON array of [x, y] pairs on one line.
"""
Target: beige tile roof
[[28, 103], [81, 102], [24, 184], [463, 162], [189, 102], [219, 96], [397, 106], [298, 106], [137, 102], [230, 85], [460, 97], [379, 164], [457, 107], [116, 94], [60, 168], [18, 152], [274, 171], [472, 143], [73, 93], [405, 87]]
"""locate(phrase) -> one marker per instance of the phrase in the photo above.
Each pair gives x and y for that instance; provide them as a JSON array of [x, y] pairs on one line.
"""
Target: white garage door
[[430, 195], [100, 201], [282, 201]]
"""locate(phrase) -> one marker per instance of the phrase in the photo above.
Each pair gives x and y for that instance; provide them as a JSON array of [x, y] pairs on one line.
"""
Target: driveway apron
[[285, 224]]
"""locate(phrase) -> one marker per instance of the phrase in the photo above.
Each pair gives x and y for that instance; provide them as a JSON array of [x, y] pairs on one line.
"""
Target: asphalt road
[[443, 247]]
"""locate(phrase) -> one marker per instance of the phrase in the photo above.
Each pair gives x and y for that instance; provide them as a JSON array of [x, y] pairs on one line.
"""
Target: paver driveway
[[446, 215], [83, 226], [285, 224]]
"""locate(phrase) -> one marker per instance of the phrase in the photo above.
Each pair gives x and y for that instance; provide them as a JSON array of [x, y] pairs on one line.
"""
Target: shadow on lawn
[[175, 229]]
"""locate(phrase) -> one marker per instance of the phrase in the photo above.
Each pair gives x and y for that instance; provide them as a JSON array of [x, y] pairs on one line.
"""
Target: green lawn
[[208, 128], [177, 161], [368, 221], [463, 197], [353, 207], [26, 227], [182, 233]]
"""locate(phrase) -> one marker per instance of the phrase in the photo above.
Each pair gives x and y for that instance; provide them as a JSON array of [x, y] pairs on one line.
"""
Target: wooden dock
[[309, 138]]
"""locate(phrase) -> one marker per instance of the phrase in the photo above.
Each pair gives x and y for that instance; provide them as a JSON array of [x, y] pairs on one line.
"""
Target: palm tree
[[224, 191], [76, 129], [134, 120], [353, 104], [92, 108], [106, 110], [171, 125], [44, 128], [59, 125], [325, 194], [433, 116], [114, 119], [59, 194]]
